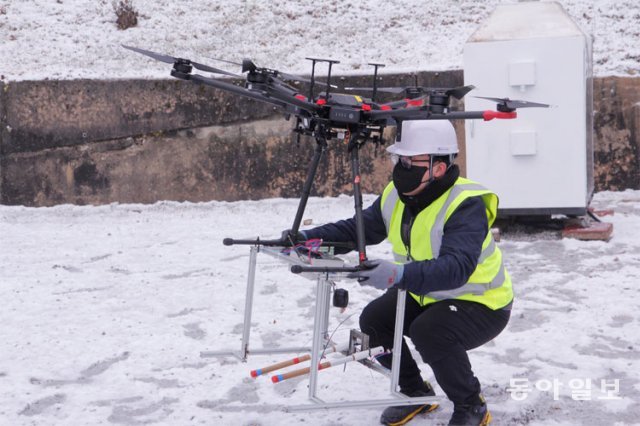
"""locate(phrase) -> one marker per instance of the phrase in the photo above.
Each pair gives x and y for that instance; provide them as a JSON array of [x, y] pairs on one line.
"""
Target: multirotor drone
[[327, 115]]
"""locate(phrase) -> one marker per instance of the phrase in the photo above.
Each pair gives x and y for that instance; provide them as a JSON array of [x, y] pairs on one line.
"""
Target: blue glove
[[380, 274]]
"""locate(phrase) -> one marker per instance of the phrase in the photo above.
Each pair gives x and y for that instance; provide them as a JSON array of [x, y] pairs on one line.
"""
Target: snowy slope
[[68, 39]]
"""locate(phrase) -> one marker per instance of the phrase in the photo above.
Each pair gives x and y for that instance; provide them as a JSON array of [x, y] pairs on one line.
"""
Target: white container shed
[[540, 163]]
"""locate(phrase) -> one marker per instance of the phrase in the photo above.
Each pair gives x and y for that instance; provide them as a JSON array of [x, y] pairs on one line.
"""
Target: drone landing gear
[[321, 147], [354, 136], [354, 152]]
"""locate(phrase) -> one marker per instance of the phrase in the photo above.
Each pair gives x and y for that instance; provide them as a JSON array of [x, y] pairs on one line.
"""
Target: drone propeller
[[171, 60], [415, 91], [249, 66], [227, 61], [459, 92], [395, 90], [509, 105]]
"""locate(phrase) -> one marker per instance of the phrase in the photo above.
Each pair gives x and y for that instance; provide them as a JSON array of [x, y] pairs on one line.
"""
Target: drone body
[[331, 113]]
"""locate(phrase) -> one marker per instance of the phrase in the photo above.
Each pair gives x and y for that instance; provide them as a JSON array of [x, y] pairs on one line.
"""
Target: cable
[[332, 333]]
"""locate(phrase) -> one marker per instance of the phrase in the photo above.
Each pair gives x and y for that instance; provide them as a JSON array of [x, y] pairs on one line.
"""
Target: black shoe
[[475, 414], [401, 414]]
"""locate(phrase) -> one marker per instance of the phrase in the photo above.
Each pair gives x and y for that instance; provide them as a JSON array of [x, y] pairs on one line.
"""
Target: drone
[[327, 115]]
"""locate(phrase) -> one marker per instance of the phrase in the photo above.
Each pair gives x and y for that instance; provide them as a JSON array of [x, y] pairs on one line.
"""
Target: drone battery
[[344, 115], [340, 298]]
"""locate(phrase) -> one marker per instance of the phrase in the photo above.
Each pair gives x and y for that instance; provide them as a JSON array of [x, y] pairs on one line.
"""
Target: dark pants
[[442, 333]]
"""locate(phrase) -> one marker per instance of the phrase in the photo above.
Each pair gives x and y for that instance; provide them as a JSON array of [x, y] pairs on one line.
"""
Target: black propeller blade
[[228, 62], [250, 66], [171, 60], [512, 104], [294, 77], [394, 90], [457, 92], [380, 89]]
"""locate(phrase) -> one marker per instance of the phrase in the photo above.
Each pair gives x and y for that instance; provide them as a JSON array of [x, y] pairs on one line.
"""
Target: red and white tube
[[357, 356], [296, 360]]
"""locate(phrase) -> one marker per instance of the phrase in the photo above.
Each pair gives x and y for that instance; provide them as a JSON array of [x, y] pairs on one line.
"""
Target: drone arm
[[284, 94], [279, 98], [485, 115], [402, 114], [420, 101], [423, 113], [218, 84], [470, 115]]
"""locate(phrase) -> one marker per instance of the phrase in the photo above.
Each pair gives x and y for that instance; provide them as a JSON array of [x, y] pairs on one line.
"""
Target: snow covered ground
[[105, 311], [67, 39]]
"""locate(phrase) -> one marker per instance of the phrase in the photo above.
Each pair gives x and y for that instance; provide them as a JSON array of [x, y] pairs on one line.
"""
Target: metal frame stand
[[244, 351], [320, 335], [398, 398]]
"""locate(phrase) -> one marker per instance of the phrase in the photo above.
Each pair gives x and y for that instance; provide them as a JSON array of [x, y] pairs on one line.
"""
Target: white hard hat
[[436, 137]]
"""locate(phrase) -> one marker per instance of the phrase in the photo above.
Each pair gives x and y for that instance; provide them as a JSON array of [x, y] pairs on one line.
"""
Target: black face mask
[[406, 180], [431, 192]]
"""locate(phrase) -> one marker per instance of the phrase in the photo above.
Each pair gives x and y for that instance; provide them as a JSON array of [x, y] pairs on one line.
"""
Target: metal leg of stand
[[248, 306], [368, 403], [323, 292], [320, 325], [397, 340], [243, 354], [248, 303], [327, 307]]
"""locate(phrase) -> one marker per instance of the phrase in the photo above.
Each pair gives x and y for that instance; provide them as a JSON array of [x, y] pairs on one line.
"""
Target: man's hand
[[288, 237], [380, 274]]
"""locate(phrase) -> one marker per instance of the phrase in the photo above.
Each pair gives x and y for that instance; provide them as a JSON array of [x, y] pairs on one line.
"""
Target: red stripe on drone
[[490, 115]]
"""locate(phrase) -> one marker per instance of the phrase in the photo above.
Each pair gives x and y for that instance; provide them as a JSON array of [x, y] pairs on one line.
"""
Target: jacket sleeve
[[463, 235], [345, 230]]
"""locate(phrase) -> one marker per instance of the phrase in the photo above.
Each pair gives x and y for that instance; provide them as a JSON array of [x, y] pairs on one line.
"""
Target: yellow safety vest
[[490, 283]]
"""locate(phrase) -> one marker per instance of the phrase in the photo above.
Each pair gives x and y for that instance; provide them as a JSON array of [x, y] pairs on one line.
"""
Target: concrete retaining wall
[[617, 133], [96, 142]]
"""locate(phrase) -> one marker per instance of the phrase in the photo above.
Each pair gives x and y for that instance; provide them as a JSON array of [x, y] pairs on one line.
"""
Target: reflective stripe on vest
[[471, 288], [486, 252], [438, 227], [388, 204]]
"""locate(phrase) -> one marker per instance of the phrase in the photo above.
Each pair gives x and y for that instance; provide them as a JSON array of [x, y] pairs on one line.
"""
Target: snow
[[106, 310], [69, 39]]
